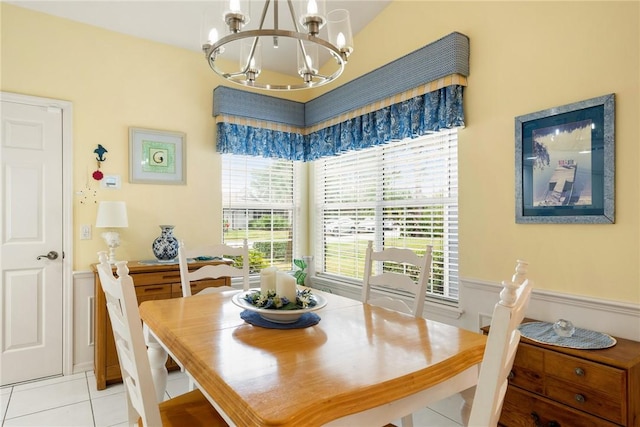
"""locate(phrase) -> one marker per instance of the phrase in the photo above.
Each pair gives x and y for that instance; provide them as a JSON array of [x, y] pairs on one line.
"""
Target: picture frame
[[157, 157], [565, 164]]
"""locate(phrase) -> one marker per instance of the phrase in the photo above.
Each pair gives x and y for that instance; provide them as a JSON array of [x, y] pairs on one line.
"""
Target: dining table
[[360, 364]]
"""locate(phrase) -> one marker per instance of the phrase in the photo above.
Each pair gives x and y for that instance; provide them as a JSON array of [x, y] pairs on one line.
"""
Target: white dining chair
[[497, 361], [405, 271], [397, 269], [213, 271], [500, 351], [143, 408]]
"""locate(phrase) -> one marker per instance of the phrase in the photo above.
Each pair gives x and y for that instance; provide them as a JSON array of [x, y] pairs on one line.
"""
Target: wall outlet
[[85, 232]]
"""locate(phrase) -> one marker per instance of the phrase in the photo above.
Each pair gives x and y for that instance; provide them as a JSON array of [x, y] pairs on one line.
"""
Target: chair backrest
[[500, 350], [419, 265], [213, 271], [122, 306]]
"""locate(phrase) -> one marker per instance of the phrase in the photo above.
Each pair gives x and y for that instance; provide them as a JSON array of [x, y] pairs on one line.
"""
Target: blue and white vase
[[165, 247]]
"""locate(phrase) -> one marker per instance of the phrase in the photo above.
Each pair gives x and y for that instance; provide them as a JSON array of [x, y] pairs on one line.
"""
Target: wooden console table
[[555, 386], [152, 281]]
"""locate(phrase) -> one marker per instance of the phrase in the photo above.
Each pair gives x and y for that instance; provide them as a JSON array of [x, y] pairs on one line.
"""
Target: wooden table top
[[357, 357]]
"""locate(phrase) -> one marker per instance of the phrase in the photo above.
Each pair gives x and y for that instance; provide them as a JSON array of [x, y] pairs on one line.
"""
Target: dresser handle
[[579, 372], [553, 424], [511, 375], [580, 398], [536, 419]]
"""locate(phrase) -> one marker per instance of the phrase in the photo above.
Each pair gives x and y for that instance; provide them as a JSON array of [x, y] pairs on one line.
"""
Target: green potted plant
[[301, 273]]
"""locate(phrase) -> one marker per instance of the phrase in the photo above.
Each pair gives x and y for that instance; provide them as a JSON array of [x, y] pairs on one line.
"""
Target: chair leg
[[407, 421], [465, 407]]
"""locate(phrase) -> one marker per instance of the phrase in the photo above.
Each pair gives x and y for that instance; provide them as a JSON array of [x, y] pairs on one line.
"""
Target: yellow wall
[[525, 57]]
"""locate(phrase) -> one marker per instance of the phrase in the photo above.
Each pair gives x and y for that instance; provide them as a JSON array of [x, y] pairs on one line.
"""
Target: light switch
[[110, 181], [85, 232]]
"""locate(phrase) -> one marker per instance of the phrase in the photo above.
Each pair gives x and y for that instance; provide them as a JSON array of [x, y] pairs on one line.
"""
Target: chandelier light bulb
[[213, 36], [234, 5], [312, 7], [340, 41]]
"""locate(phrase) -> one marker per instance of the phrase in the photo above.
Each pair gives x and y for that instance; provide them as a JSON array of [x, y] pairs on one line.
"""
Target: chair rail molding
[[617, 318]]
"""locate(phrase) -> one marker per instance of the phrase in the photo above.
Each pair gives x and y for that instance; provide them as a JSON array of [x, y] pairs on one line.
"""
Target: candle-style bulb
[[312, 7], [213, 36], [234, 5]]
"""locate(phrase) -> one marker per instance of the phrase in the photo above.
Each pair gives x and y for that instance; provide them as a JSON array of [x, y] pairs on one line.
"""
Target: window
[[258, 204], [402, 194]]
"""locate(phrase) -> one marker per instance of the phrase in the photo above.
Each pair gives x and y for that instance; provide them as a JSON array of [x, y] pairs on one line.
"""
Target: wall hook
[[100, 152]]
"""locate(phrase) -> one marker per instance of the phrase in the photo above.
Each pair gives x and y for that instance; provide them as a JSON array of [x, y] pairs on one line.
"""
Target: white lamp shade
[[112, 215]]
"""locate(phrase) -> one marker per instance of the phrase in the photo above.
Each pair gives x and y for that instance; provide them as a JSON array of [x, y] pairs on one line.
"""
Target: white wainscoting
[[83, 293], [477, 299], [621, 319]]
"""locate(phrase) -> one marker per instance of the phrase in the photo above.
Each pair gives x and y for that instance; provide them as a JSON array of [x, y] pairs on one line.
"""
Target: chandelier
[[237, 55]]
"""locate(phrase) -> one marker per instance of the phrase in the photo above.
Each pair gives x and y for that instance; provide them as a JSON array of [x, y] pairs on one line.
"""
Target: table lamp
[[112, 215]]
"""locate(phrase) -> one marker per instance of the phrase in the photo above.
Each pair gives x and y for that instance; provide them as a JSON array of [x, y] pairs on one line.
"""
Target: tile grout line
[[93, 414], [4, 416]]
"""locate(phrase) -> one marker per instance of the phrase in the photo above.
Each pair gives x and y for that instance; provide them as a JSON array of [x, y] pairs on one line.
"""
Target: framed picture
[[565, 164], [156, 157]]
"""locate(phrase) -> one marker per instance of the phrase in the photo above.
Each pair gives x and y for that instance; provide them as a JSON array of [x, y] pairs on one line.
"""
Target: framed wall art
[[565, 163], [156, 157]]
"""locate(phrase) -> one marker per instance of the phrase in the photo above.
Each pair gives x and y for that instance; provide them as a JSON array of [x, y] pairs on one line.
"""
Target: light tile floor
[[74, 401]]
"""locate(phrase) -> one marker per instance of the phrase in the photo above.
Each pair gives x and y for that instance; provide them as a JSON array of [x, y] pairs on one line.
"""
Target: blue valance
[[417, 94], [248, 140], [430, 112]]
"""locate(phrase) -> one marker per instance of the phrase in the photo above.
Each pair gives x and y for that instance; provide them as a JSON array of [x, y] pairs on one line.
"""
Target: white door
[[31, 238]]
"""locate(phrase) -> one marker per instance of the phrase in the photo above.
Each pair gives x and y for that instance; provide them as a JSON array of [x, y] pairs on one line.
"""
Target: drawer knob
[[536, 419], [511, 375], [553, 424], [579, 398], [579, 372]]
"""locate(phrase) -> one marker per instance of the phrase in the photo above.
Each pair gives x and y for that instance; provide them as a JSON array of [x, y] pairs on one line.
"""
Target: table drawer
[[522, 408], [527, 369]]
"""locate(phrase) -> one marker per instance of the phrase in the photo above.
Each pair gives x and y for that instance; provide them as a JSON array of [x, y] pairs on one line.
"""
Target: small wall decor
[[156, 157], [97, 174], [565, 163]]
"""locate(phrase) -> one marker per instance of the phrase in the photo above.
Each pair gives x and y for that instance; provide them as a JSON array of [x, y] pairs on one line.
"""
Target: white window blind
[[258, 204], [402, 194]]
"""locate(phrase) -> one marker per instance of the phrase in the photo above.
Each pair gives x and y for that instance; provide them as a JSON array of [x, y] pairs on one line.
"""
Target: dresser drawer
[[587, 399], [144, 293], [584, 385], [522, 408], [527, 369], [155, 278], [607, 380], [199, 285]]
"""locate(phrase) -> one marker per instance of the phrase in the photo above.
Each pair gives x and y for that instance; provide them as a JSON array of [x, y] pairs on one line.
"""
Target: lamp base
[[112, 238]]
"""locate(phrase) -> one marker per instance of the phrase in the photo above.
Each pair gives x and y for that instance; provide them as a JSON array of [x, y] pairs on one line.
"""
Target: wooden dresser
[[155, 281], [553, 386]]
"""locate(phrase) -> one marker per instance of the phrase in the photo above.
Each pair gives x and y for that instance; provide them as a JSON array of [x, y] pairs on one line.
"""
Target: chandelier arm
[[264, 12], [293, 16]]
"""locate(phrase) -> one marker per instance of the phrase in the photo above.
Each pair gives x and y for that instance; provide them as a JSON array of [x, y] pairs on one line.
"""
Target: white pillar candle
[[268, 279], [286, 286]]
